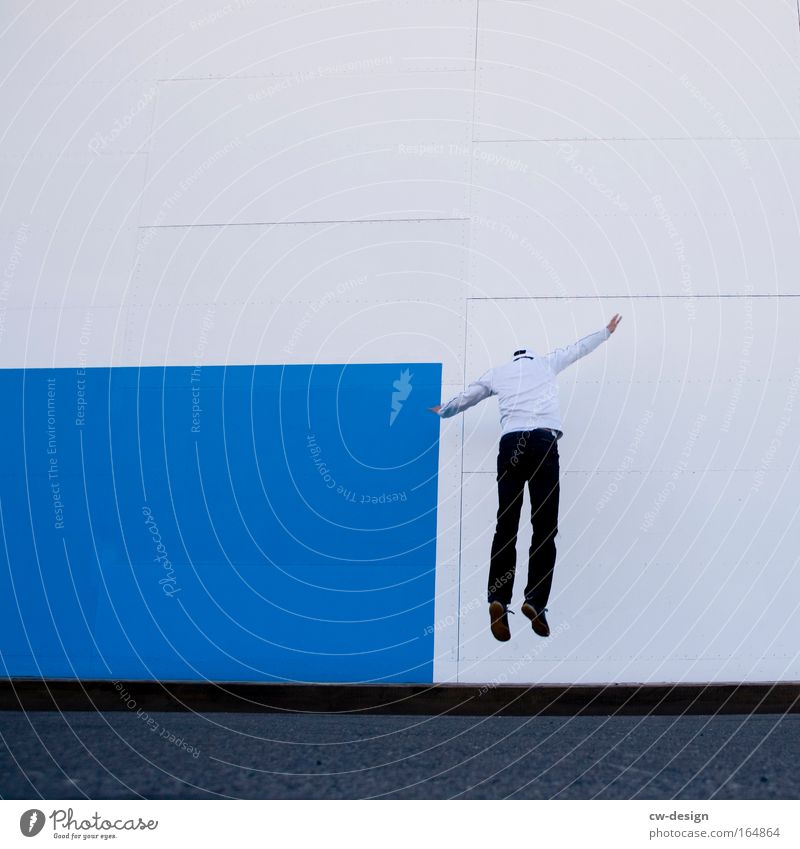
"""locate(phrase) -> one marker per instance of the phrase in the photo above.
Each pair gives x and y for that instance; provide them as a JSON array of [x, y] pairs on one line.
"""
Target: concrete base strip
[[32, 694]]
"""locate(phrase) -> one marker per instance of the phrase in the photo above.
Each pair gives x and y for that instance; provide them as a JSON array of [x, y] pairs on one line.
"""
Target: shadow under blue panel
[[253, 523]]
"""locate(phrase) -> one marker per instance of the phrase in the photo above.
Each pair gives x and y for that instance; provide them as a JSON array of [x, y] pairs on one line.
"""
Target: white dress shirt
[[525, 387]]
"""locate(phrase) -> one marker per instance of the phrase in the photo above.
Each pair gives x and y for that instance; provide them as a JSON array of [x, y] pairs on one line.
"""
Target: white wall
[[441, 180]]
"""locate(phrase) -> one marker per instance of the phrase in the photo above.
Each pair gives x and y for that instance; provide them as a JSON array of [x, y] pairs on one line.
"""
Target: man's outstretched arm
[[563, 357], [475, 392]]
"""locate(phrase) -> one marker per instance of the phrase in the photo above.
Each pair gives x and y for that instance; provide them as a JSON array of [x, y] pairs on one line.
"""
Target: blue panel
[[231, 523]]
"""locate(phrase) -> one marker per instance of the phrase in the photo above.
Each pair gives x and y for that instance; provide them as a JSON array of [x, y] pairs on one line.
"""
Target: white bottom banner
[[617, 824]]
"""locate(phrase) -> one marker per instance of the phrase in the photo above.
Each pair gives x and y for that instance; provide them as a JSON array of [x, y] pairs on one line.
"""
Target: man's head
[[523, 352]]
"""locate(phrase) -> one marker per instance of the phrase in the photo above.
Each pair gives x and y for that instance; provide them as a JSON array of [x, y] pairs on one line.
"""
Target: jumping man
[[530, 421]]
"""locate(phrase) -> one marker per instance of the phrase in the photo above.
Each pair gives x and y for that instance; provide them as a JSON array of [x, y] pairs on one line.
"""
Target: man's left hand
[[435, 409]]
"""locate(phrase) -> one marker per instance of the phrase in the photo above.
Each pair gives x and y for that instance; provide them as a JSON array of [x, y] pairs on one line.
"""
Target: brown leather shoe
[[538, 619], [498, 618]]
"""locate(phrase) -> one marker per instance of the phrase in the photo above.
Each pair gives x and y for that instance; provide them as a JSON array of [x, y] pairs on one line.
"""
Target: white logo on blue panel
[[403, 389]]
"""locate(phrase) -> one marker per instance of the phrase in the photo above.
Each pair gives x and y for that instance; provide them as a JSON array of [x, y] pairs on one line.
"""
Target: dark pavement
[[114, 755]]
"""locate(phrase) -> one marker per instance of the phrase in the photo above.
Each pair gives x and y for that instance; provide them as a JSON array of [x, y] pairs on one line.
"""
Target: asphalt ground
[[169, 755]]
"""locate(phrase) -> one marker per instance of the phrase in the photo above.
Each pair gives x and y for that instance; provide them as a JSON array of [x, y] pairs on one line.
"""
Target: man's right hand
[[612, 325]]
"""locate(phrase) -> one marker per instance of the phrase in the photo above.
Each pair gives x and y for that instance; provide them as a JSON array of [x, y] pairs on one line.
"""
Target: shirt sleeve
[[475, 392], [560, 358]]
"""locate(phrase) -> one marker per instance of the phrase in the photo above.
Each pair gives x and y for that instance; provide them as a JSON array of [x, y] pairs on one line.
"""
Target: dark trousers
[[526, 457]]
